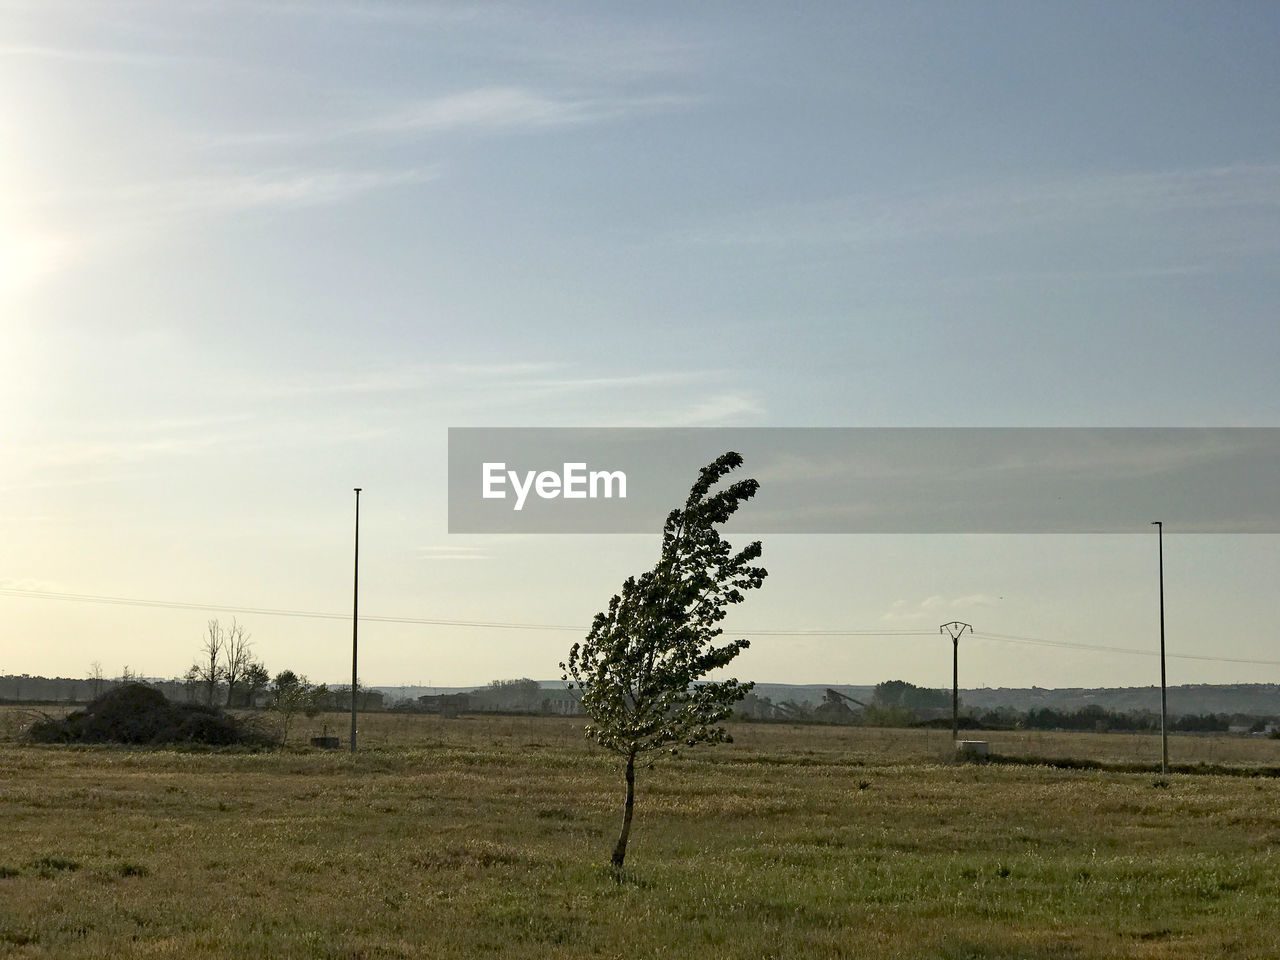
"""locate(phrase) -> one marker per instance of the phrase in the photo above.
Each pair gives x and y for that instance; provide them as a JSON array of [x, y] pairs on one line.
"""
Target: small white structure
[[972, 748]]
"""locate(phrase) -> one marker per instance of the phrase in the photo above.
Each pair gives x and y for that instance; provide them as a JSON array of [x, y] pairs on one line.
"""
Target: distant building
[[445, 704], [514, 697], [564, 703]]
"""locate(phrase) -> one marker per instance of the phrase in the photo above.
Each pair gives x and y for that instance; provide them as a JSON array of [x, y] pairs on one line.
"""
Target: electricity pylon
[[954, 629]]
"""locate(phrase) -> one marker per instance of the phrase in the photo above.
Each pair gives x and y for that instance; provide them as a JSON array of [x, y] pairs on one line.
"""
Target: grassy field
[[490, 837]]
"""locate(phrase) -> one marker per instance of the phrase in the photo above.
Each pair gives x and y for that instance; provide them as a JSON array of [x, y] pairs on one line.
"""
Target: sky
[[256, 254]]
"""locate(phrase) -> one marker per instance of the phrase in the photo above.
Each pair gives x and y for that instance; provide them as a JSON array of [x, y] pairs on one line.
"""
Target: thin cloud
[[471, 388], [489, 109], [406, 12], [718, 410], [669, 398], [974, 600], [523, 35], [30, 585], [453, 553], [140, 448], [562, 385], [927, 609], [697, 408], [337, 384], [524, 379], [284, 189], [93, 55], [932, 607], [67, 225], [1002, 208], [520, 368]]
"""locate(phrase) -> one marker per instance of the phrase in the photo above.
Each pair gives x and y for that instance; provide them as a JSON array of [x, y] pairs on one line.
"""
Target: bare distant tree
[[95, 675], [208, 668], [236, 657], [191, 680]]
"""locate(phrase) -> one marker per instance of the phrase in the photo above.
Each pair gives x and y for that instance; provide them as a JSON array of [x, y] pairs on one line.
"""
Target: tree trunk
[[620, 851]]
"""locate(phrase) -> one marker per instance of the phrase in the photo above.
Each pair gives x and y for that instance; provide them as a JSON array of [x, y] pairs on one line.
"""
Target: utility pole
[[1164, 729], [355, 621], [954, 629]]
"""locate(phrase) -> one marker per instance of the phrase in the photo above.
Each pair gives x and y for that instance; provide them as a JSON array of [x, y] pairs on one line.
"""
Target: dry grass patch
[[460, 839]]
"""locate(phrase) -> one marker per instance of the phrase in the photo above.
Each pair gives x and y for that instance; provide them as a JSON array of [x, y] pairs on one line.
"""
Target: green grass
[[490, 837]]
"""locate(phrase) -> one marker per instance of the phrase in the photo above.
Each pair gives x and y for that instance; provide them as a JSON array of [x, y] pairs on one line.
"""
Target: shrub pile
[[136, 713]]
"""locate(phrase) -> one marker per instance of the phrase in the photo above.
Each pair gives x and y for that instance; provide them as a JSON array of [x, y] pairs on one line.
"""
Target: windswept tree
[[642, 666]]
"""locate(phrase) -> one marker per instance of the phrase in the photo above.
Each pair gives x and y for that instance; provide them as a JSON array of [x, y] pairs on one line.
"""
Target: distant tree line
[[897, 703], [225, 674], [1100, 719], [523, 695]]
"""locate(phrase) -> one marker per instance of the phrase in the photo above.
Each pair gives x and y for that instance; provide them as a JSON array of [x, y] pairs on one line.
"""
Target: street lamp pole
[[355, 621], [1164, 729]]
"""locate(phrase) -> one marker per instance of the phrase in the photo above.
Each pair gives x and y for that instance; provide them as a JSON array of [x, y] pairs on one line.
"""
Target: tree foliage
[[522, 694], [256, 679], [291, 695], [641, 669], [900, 693]]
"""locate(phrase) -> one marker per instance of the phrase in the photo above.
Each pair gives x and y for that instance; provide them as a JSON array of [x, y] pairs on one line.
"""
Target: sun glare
[[28, 257]]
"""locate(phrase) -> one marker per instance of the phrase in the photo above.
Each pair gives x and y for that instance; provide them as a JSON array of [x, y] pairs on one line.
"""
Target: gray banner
[[872, 480]]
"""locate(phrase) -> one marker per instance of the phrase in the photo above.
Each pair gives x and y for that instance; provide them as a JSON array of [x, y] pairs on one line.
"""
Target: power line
[[579, 628], [836, 633], [423, 621], [274, 612], [1073, 645]]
